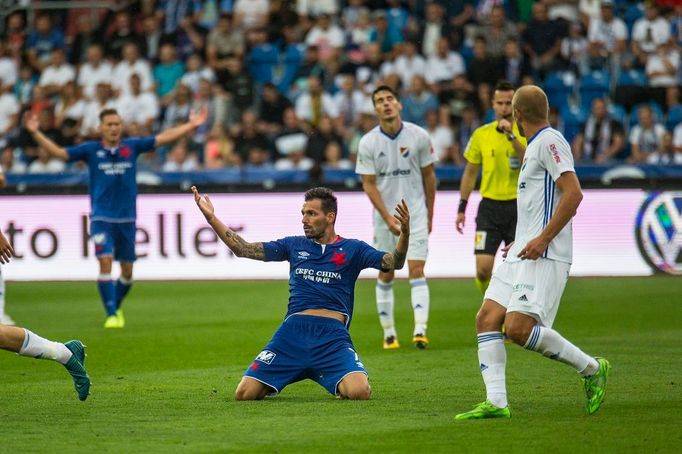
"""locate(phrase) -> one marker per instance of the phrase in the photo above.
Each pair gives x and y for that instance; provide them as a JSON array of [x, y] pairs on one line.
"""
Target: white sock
[[550, 344], [385, 301], [420, 304], [492, 359], [40, 348]]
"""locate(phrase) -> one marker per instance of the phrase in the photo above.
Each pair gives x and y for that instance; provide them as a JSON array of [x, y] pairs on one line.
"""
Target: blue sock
[[122, 288], [107, 292]]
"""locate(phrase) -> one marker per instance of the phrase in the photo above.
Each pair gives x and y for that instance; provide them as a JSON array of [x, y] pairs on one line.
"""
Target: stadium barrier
[[624, 232]]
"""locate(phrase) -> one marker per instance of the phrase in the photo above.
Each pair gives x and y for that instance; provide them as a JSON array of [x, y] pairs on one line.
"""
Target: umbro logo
[[303, 255], [266, 356], [523, 298]]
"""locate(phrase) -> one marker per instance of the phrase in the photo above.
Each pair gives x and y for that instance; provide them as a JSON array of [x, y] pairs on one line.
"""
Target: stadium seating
[[574, 118], [674, 117], [655, 108], [596, 84], [560, 88]]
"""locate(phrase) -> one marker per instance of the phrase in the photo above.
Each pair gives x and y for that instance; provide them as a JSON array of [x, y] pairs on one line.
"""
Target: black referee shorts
[[495, 222]]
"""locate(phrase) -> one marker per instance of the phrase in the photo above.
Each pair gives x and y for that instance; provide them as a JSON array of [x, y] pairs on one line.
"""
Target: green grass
[[166, 382]]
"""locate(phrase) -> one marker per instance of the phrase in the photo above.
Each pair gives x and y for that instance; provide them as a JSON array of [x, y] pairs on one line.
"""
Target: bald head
[[532, 103]]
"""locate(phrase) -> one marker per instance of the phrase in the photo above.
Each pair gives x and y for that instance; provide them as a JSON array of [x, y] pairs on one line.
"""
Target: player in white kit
[[526, 288], [396, 161]]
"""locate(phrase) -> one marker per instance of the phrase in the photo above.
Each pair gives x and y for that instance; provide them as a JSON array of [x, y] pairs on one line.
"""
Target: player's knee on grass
[[355, 387], [250, 389], [518, 327]]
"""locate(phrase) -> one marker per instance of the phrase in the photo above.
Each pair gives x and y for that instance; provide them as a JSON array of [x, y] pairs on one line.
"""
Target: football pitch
[[166, 381]]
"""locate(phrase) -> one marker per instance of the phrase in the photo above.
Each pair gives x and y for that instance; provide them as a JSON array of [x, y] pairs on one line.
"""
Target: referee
[[497, 148]]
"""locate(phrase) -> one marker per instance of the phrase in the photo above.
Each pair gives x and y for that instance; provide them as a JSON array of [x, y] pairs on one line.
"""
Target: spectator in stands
[[517, 66], [360, 32], [246, 136], [320, 137], [28, 146], [607, 38], [250, 14], [174, 12], [211, 98], [104, 99], [86, 36], [151, 35], [189, 38], [9, 112], [196, 71], [408, 63], [293, 158], [351, 13], [326, 35], [56, 74], [467, 125], [434, 27], [442, 134], [223, 42], [167, 73], [648, 33], [602, 139], [122, 33], [138, 109], [382, 34], [369, 72], [317, 7], [131, 64], [93, 71], [498, 30], [668, 154], [366, 122], [15, 35], [23, 88], [457, 96], [9, 71], [44, 163], [443, 66], [662, 70], [179, 108], [69, 111], [418, 101], [333, 157], [239, 87], [9, 164], [180, 158], [219, 151], [646, 137], [271, 110], [258, 158], [42, 41], [349, 101], [677, 141], [38, 101], [262, 57], [484, 72], [542, 40], [589, 11], [574, 49], [312, 104]]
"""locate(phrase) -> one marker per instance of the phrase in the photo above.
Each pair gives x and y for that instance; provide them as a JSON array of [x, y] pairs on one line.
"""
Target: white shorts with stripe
[[533, 287], [418, 249]]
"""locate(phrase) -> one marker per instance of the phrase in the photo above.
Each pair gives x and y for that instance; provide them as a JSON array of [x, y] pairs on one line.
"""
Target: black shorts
[[495, 222]]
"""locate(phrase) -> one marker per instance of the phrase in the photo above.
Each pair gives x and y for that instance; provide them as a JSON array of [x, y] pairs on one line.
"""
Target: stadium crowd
[[287, 83]]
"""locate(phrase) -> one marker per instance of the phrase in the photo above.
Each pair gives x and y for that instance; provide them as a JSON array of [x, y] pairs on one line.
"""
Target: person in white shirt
[[646, 137], [103, 100], [9, 71], [662, 69], [349, 101], [131, 64], [44, 163], [648, 33], [4, 318], [9, 112], [57, 73], [250, 14], [409, 63], [444, 65], [326, 35], [313, 103], [95, 70], [396, 161], [607, 37], [138, 109], [526, 289]]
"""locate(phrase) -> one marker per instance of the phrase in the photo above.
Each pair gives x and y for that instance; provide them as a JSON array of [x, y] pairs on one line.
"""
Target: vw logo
[[658, 231]]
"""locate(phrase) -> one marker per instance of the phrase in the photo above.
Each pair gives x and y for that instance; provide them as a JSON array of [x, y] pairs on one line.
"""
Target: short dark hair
[[326, 197], [504, 85], [107, 112], [385, 88]]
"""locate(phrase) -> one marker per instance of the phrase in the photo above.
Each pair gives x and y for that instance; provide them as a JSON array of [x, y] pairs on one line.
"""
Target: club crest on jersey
[[266, 356], [125, 152], [339, 258], [404, 152], [555, 153]]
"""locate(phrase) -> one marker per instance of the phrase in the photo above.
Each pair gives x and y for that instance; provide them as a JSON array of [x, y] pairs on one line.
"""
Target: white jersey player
[[4, 318], [396, 161], [525, 290]]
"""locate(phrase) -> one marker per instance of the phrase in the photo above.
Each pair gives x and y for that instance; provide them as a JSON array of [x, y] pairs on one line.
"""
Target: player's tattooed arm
[[396, 259], [393, 261], [232, 240], [241, 247]]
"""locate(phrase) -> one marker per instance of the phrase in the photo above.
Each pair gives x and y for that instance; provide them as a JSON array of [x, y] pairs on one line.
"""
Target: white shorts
[[533, 287], [418, 248]]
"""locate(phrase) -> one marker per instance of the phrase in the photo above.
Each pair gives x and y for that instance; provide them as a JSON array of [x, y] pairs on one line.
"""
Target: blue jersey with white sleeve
[[322, 276], [113, 188]]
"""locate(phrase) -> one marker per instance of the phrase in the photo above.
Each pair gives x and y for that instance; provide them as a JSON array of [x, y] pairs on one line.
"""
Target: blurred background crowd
[[288, 83]]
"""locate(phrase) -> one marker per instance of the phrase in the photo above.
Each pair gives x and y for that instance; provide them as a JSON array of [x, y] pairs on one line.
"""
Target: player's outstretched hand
[[6, 251], [31, 123], [199, 117], [204, 204], [403, 217]]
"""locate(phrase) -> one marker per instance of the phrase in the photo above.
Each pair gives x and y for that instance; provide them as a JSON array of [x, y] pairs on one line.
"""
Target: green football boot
[[485, 410], [595, 386]]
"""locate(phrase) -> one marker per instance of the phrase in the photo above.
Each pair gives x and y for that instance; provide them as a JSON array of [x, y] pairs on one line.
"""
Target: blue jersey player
[[113, 193], [313, 341]]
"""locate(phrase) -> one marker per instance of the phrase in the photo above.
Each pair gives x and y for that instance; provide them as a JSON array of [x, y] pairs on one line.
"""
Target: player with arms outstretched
[[313, 341]]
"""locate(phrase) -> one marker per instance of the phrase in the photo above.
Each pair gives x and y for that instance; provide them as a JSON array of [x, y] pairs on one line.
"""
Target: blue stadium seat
[[632, 77], [596, 84], [574, 118], [632, 13], [674, 117], [618, 113], [489, 115], [560, 87]]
